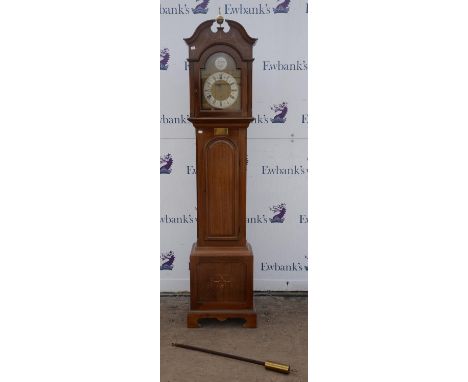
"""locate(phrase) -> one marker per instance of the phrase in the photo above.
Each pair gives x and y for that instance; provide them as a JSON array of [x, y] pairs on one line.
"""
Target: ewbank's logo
[[295, 266], [253, 8], [179, 219], [184, 9], [299, 65], [167, 261], [281, 110], [165, 163], [277, 170], [279, 212], [180, 119], [201, 8], [164, 59], [283, 7]]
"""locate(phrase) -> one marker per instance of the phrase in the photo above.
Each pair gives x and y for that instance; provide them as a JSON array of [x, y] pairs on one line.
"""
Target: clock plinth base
[[221, 284], [250, 316]]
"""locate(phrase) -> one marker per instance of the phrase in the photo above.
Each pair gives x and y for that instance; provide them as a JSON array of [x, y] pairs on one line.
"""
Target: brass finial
[[219, 18]]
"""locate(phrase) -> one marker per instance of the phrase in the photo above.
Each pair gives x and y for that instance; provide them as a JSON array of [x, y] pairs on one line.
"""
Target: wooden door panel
[[221, 189]]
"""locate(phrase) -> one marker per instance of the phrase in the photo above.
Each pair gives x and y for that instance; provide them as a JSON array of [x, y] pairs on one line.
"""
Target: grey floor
[[281, 335]]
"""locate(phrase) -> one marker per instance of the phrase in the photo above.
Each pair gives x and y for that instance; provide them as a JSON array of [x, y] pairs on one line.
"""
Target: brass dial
[[220, 90], [220, 82]]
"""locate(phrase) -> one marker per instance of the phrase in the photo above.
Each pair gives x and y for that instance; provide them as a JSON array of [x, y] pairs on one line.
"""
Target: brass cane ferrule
[[278, 367]]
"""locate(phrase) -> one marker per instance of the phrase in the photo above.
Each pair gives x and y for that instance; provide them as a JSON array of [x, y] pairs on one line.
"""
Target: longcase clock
[[221, 260]]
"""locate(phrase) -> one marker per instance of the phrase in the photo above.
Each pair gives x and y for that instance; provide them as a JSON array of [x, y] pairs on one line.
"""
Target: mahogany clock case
[[221, 261]]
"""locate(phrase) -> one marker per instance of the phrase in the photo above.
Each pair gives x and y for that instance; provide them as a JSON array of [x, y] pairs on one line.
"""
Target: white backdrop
[[277, 140]]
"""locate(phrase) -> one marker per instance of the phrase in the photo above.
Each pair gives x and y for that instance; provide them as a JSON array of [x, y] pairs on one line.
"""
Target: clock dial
[[220, 83], [221, 90]]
